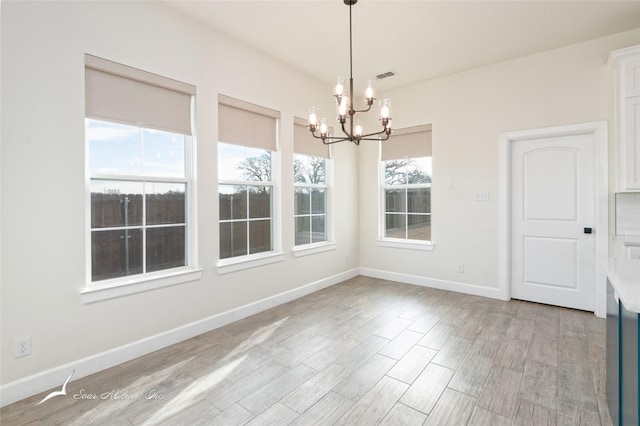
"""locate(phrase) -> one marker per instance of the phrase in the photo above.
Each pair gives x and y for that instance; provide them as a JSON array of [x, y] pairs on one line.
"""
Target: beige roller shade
[[116, 92], [410, 142], [243, 123], [305, 143]]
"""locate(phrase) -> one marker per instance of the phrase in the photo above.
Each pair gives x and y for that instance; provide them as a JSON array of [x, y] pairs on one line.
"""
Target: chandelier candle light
[[345, 108]]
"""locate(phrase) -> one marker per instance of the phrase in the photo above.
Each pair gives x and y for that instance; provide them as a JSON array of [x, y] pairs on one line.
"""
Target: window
[[310, 199], [406, 185], [247, 143], [246, 200], [310, 186], [138, 141]]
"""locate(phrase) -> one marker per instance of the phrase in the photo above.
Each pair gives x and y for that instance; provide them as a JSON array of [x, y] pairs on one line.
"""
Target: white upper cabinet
[[627, 64]]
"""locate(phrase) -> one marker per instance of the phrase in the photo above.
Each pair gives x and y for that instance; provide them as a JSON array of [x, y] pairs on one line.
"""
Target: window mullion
[[406, 204], [310, 213], [248, 227], [406, 212], [144, 205]]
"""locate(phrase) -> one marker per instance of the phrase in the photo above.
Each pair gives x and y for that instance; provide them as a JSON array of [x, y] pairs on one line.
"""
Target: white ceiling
[[419, 40]]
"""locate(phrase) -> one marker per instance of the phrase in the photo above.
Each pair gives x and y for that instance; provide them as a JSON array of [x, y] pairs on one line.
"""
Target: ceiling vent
[[385, 75]]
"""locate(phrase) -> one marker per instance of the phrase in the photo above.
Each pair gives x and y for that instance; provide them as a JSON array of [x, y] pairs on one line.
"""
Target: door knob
[[588, 230]]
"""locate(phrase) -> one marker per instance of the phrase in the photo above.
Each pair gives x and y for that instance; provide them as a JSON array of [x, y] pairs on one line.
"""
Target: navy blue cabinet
[[622, 362], [629, 366], [613, 355]]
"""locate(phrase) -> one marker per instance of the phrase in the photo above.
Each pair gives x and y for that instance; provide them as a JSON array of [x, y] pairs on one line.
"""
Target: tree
[[257, 168], [311, 173], [395, 172]]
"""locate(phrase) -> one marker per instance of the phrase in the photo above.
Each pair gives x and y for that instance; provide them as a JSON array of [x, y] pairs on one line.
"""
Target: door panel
[[550, 196], [550, 262], [552, 203]]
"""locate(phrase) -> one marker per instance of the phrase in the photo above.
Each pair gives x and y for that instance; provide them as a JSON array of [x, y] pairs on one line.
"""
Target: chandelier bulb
[[342, 109], [385, 109], [339, 87], [368, 93], [313, 117], [358, 129], [324, 128]]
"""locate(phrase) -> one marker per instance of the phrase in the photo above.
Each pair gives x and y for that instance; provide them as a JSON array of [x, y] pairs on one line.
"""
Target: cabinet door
[[629, 366], [631, 143], [613, 355]]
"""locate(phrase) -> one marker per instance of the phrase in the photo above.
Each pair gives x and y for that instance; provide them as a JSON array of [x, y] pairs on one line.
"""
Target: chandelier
[[352, 130]]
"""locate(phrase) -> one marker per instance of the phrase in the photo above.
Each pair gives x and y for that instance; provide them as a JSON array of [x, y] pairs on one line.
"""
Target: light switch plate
[[482, 196]]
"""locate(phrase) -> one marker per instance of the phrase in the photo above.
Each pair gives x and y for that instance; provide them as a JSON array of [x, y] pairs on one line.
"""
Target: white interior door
[[552, 259]]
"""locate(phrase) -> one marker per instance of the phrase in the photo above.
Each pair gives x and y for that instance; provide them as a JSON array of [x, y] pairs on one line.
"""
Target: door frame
[[599, 131]]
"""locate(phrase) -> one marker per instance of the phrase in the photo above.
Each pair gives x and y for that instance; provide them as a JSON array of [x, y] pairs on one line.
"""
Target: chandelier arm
[[313, 133], [329, 139], [362, 110], [366, 137], [332, 140], [349, 135]]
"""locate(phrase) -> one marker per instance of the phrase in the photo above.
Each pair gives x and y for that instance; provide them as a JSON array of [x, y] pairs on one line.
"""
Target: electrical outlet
[[460, 267], [23, 347]]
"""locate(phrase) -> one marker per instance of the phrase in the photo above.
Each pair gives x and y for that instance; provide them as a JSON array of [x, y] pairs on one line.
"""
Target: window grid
[[312, 215], [405, 215], [144, 225], [247, 219]]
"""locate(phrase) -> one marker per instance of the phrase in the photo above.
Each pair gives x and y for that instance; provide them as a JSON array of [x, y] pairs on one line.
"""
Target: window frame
[[95, 291], [233, 260], [329, 243], [239, 263], [403, 243], [305, 144]]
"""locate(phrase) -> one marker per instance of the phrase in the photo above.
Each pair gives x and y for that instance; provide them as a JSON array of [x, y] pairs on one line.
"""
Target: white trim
[[329, 181], [40, 382], [406, 244], [601, 202], [138, 284], [308, 249], [476, 290], [616, 56], [240, 263]]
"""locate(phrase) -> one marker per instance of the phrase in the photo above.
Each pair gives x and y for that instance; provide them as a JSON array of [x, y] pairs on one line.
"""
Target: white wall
[[42, 175], [468, 111], [43, 195]]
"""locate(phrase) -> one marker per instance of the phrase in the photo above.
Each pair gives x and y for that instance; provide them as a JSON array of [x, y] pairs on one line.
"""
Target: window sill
[[406, 244], [314, 248], [226, 266], [118, 288]]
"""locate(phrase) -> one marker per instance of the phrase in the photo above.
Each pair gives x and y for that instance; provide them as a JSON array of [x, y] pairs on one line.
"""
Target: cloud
[[108, 133]]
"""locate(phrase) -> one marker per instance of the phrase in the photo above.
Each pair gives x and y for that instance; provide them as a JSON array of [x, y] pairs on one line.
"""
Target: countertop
[[624, 275]]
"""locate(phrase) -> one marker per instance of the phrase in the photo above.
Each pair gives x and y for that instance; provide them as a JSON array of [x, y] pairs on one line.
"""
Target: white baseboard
[[493, 293], [54, 377]]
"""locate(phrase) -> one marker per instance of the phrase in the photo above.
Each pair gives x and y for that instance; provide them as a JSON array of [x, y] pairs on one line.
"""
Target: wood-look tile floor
[[365, 351]]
